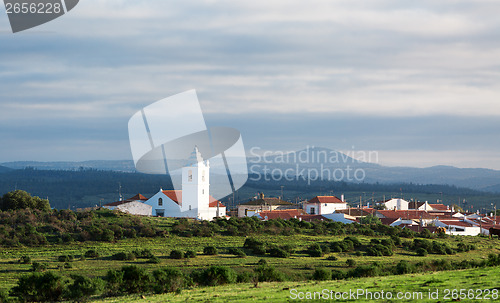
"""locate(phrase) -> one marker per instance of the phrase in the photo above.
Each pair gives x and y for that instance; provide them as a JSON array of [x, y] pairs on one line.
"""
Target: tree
[[19, 199], [370, 219]]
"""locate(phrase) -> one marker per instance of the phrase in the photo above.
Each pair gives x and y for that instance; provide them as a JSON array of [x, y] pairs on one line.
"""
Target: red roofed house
[[134, 205], [321, 205]]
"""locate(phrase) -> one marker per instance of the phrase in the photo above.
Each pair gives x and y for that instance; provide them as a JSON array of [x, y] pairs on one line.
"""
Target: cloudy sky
[[417, 81]]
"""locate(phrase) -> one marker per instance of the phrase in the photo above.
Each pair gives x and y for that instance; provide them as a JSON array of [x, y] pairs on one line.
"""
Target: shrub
[[338, 274], [278, 253], [65, 258], [39, 287], [267, 273], [210, 250], [68, 265], [322, 274], [91, 253], [123, 256], [262, 262], [350, 262], [84, 287], [404, 267], [135, 279], [237, 252], [143, 254], [154, 260], [332, 258], [244, 277], [421, 252], [176, 254], [190, 254], [114, 279], [25, 260], [365, 271], [168, 280], [259, 250], [37, 266], [355, 241], [252, 243], [216, 275], [314, 250]]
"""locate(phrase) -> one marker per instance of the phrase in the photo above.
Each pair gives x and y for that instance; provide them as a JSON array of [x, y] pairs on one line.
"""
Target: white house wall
[[135, 208]]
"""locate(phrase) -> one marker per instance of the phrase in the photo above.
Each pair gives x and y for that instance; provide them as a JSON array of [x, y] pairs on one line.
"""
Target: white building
[[321, 205], [134, 205], [194, 200], [396, 204]]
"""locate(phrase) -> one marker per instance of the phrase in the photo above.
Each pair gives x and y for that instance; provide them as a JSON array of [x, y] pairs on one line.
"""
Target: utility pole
[[282, 197]]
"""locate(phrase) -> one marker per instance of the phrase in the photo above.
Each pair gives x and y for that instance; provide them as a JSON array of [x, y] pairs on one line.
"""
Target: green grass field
[[298, 267], [416, 287]]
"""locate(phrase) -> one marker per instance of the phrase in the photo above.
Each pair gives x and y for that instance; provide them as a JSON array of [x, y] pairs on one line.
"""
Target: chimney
[[342, 198]]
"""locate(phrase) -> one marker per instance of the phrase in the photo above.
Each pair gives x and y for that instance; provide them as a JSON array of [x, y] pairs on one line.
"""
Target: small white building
[[134, 205], [457, 227], [396, 204], [321, 205]]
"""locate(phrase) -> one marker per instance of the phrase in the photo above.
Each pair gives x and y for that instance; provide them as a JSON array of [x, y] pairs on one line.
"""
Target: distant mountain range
[[317, 162]]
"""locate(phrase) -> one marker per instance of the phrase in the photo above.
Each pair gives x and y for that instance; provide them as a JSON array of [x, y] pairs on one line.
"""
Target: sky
[[416, 81]]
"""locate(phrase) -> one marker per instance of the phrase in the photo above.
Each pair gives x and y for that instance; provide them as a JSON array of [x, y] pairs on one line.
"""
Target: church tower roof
[[195, 157]]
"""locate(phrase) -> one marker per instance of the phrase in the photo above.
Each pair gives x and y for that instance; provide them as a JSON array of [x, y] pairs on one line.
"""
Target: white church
[[193, 201]]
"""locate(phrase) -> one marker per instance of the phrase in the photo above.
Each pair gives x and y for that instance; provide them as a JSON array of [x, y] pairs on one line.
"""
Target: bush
[[190, 254], [350, 262], [39, 287], [267, 273], [322, 274], [143, 254], [421, 252], [252, 243], [84, 287], [332, 258], [176, 254], [37, 266], [114, 280], [25, 260], [314, 250], [210, 250], [168, 280], [123, 256], [365, 271], [262, 262], [338, 274], [68, 265], [237, 252], [278, 253], [91, 253], [65, 258], [135, 279], [244, 277], [154, 260], [404, 267], [216, 275]]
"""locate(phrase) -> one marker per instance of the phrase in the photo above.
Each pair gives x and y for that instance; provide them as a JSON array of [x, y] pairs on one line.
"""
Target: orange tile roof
[[406, 214], [439, 206], [176, 196], [325, 199]]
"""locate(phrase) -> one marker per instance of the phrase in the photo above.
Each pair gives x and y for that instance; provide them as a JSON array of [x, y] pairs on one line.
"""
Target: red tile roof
[[441, 207], [325, 199], [456, 223], [356, 212], [174, 195], [406, 214]]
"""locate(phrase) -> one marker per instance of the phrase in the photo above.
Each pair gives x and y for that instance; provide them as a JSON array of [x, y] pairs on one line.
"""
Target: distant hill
[[315, 159], [113, 165]]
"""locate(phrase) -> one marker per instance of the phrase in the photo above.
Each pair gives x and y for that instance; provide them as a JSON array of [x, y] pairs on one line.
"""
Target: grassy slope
[[487, 278]]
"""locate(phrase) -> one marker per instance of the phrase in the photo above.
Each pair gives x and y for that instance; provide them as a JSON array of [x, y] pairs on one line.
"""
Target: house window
[[203, 175], [190, 175], [160, 201], [313, 211]]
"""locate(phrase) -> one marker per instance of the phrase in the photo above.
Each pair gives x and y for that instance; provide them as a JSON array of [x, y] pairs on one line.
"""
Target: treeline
[[65, 188]]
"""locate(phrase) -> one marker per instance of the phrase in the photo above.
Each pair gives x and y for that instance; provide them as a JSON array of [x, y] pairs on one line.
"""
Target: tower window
[[203, 175], [160, 201], [189, 207], [190, 175], [202, 191]]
